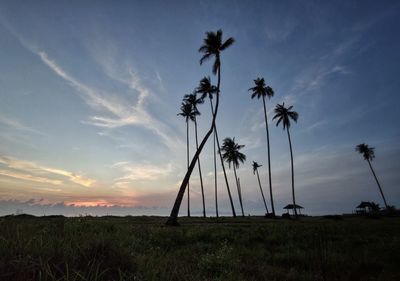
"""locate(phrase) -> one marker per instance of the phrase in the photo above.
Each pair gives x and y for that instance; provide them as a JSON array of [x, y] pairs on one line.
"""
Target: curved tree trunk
[[187, 151], [291, 158], [262, 193], [215, 168], [173, 217], [376, 179], [239, 191], [269, 161], [201, 177], [224, 170]]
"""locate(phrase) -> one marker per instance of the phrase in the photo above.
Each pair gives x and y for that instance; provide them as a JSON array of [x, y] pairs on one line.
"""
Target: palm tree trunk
[[224, 170], [173, 217], [187, 152], [262, 193], [215, 168], [291, 158], [376, 179], [269, 161], [238, 188], [201, 177], [215, 179]]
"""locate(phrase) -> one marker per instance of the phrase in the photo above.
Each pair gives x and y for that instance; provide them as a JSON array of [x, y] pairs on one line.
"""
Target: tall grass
[[141, 248]]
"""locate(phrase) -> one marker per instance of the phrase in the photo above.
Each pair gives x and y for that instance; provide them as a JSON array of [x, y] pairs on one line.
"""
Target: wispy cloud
[[134, 172], [27, 177], [18, 125], [116, 111], [278, 31], [314, 77], [31, 171], [121, 113]]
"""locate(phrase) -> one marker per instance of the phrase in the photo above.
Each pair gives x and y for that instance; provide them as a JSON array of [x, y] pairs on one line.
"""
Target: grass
[[142, 248]]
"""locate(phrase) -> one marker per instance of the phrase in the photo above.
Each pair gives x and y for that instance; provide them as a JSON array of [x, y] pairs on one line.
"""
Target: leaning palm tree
[[212, 47], [231, 154], [194, 101], [189, 113], [207, 89], [255, 171], [369, 154], [261, 90], [284, 115]]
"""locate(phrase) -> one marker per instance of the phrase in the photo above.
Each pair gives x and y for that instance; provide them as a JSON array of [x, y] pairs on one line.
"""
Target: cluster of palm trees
[[212, 47], [229, 152]]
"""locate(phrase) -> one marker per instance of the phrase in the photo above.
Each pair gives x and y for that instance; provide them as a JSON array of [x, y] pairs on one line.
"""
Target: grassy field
[[142, 248]]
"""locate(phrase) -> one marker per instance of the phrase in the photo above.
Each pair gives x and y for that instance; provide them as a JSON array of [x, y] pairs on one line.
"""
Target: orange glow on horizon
[[96, 203]]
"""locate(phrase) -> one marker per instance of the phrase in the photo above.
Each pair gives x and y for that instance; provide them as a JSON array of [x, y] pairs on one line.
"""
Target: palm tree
[[231, 154], [207, 89], [212, 47], [189, 113], [284, 115], [194, 101], [261, 90], [255, 171], [369, 154]]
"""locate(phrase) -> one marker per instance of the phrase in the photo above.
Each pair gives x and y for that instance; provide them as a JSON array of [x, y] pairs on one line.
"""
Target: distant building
[[367, 207], [290, 207]]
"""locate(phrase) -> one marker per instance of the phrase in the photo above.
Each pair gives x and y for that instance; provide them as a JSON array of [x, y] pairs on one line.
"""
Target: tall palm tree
[[284, 115], [212, 47], [194, 101], [261, 90], [189, 113], [231, 154], [255, 171], [207, 89], [369, 154]]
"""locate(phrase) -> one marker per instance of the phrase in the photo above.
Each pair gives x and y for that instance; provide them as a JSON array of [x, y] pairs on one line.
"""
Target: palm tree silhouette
[[284, 115], [212, 47], [261, 90], [231, 154], [255, 171], [189, 113], [205, 88], [194, 101], [369, 154]]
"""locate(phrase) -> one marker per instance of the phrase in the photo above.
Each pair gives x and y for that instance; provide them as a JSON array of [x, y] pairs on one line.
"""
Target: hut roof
[[364, 204], [290, 206]]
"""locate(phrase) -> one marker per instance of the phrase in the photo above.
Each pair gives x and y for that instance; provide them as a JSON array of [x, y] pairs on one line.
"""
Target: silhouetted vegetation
[[212, 48], [205, 88], [255, 171], [232, 155], [284, 115], [189, 112], [369, 154], [261, 90], [194, 101], [141, 248]]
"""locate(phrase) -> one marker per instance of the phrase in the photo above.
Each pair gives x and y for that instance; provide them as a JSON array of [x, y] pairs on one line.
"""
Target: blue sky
[[90, 92]]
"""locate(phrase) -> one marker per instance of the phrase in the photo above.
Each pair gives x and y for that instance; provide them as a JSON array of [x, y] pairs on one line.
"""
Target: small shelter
[[366, 207], [290, 207]]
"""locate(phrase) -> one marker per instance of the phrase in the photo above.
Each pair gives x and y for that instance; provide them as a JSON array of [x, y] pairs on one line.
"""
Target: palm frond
[[229, 42], [284, 114], [212, 46], [230, 152], [367, 152], [206, 57]]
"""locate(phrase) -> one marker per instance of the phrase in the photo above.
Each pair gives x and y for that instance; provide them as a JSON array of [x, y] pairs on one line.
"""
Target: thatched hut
[[291, 207], [367, 207]]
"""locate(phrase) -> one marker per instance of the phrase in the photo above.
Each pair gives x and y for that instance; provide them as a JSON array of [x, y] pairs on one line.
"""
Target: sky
[[90, 91]]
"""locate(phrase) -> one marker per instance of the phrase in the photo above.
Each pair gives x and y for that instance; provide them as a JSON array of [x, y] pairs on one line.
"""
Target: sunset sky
[[90, 91]]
